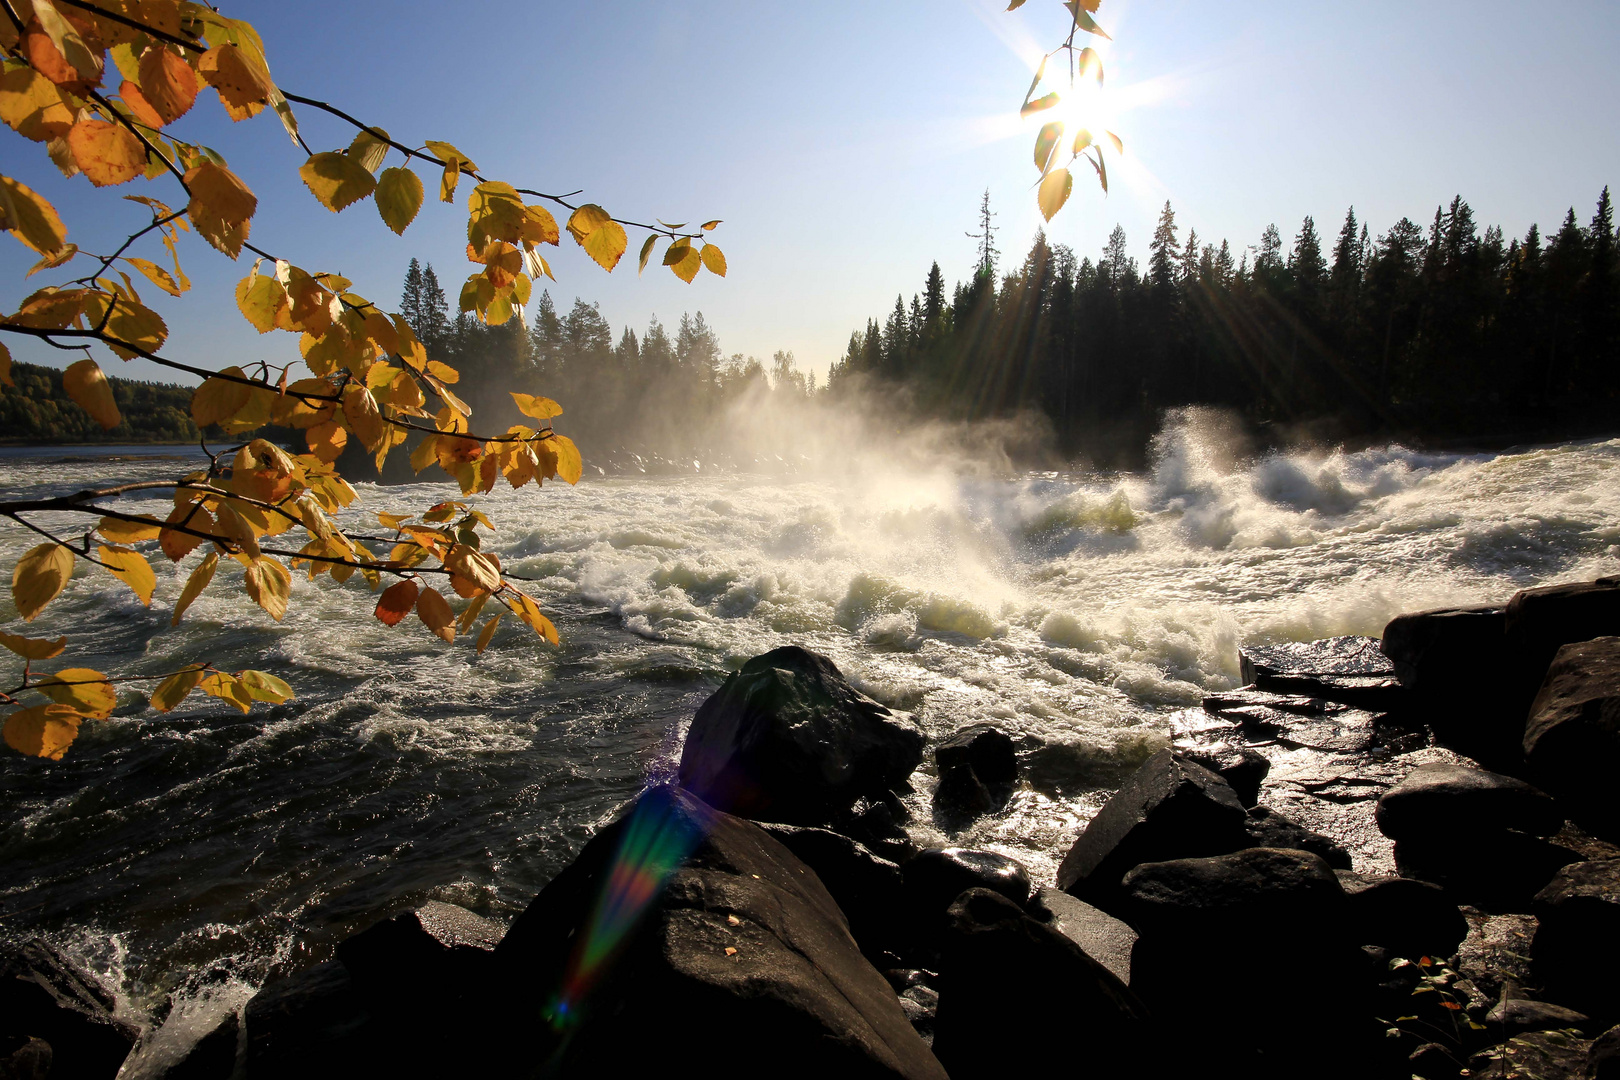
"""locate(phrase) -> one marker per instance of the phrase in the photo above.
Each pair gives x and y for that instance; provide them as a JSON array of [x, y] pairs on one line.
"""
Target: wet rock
[[869, 890], [1539, 622], [1242, 768], [1541, 1055], [1603, 1059], [961, 795], [1169, 808], [1100, 936], [786, 738], [1296, 721], [1518, 1016], [1267, 891], [1432, 1061], [935, 877], [45, 995], [1440, 803], [308, 1024], [1577, 947], [740, 953], [1349, 655], [30, 1059], [1572, 739], [1495, 955], [1410, 918], [1455, 660], [879, 823], [1011, 985], [454, 927], [1268, 828], [986, 749], [212, 1057]]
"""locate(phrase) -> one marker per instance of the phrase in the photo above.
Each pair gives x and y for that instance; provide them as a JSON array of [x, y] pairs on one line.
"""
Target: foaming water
[[1074, 610]]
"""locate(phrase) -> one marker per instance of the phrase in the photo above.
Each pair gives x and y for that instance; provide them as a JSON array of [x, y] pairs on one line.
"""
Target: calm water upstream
[[183, 855]]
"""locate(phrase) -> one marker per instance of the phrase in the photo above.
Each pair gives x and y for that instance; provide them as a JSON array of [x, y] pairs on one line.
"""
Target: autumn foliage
[[97, 87]]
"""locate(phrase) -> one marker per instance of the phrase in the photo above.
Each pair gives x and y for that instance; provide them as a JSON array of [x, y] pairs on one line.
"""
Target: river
[[182, 856]]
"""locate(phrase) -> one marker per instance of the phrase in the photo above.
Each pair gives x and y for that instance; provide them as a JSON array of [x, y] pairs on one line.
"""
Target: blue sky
[[846, 144]]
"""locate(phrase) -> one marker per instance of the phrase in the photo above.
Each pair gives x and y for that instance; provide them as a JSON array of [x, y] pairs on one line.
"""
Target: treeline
[[657, 393], [37, 410], [1439, 332]]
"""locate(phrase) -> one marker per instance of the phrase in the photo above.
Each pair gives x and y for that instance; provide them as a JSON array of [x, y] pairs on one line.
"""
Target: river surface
[[183, 856]]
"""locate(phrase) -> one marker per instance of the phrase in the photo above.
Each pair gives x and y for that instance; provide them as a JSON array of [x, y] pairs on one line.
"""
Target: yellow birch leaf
[[226, 688], [156, 275], [454, 160], [263, 686], [107, 154], [43, 731], [606, 244], [369, 148], [336, 179], [128, 532], [434, 611], [30, 218], [488, 631], [529, 612], [32, 105], [195, 584], [569, 464], [399, 198], [710, 226], [327, 440], [242, 87], [173, 690], [685, 263], [586, 220], [363, 417], [132, 569], [426, 453], [87, 384], [470, 615], [82, 689], [168, 83], [1054, 191], [219, 399], [39, 576], [269, 584], [33, 648], [262, 300], [138, 106], [220, 207], [714, 260], [541, 408], [646, 252]]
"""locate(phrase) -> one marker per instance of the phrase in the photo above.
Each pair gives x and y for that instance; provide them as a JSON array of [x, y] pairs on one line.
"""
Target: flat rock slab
[[1349, 655], [1100, 936], [1442, 802]]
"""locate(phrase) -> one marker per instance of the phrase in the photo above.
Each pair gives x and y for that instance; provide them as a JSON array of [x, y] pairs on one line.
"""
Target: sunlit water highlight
[[185, 855]]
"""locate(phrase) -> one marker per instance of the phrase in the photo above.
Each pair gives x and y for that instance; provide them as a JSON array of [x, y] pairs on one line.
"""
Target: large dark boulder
[[1456, 663], [1536, 1055], [1445, 803], [869, 889], [1257, 891], [45, 995], [1408, 917], [1496, 872], [25, 1058], [961, 796], [1170, 808], [1572, 740], [682, 934], [1242, 768], [1015, 990], [1576, 950], [1603, 1059], [1541, 621], [786, 738], [1100, 936], [1268, 828], [935, 877], [986, 749], [312, 1023]]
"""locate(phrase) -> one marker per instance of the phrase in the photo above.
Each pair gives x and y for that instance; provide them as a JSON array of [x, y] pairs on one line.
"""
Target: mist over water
[[185, 855]]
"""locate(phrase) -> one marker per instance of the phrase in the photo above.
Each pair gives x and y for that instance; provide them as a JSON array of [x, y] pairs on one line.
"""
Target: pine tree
[[1163, 252], [986, 236], [1306, 263], [1121, 268], [1268, 256]]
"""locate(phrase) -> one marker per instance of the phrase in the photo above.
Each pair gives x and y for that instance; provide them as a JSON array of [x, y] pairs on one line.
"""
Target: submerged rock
[[787, 739]]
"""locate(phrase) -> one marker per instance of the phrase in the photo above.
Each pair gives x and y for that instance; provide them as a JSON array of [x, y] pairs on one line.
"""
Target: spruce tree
[[1163, 252], [1306, 263], [934, 296], [986, 236], [410, 301], [435, 309]]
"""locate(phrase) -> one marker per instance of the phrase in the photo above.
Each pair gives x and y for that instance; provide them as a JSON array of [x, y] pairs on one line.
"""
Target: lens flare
[[656, 839]]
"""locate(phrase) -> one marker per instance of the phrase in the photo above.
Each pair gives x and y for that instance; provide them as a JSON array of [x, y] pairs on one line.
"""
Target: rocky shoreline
[[1388, 857]]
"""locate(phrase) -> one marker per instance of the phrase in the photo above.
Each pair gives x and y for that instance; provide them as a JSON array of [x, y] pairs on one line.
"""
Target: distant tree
[[1163, 252]]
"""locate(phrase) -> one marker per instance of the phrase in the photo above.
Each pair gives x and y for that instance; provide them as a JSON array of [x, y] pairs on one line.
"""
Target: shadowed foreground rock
[[1572, 741], [740, 958], [44, 995], [787, 739]]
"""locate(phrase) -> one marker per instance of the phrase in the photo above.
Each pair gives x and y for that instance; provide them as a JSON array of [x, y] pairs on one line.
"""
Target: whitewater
[[185, 856]]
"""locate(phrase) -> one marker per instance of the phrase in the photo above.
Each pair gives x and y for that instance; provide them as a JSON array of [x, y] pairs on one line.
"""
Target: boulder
[[1494, 959], [1297, 722], [1603, 1059], [1349, 670], [1408, 917], [25, 1058], [45, 995], [1267, 828], [1170, 808], [1456, 663], [935, 877], [309, 1024], [1497, 872], [1433, 1061], [1100, 936], [983, 747], [1576, 950], [868, 889], [1572, 739], [961, 796], [1539, 622], [879, 823], [1518, 1016], [1539, 1055], [1440, 804], [1257, 891], [1015, 989], [683, 933], [786, 738], [1242, 768]]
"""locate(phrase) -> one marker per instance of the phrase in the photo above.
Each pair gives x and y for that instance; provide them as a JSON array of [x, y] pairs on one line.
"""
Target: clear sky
[[846, 144]]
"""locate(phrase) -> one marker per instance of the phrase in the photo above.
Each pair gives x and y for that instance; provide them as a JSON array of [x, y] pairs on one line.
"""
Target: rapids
[[183, 856]]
